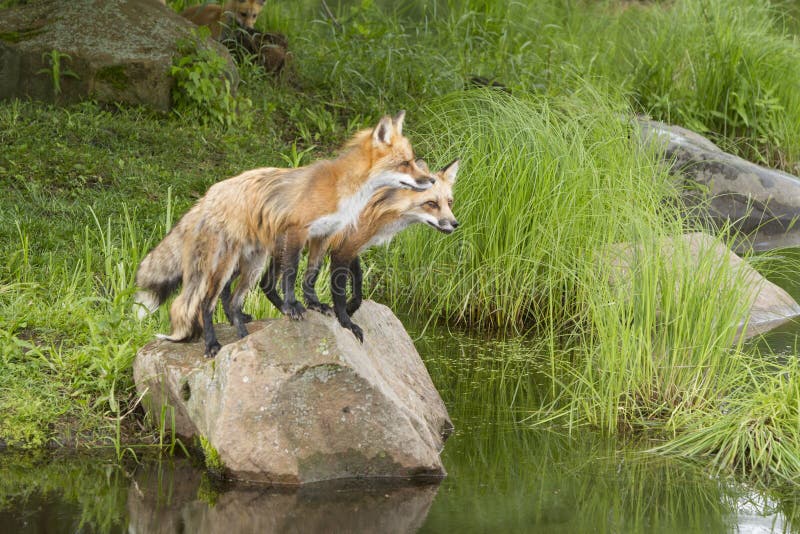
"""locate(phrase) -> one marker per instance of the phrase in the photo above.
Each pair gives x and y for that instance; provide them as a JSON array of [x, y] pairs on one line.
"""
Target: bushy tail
[[159, 274], [185, 317]]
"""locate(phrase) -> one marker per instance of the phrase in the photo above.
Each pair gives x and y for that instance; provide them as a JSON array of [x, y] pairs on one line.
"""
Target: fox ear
[[450, 170], [398, 121], [382, 134], [422, 165]]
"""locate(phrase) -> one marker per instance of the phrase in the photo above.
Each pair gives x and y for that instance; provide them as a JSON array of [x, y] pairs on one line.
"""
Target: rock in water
[[303, 401], [116, 51], [760, 202]]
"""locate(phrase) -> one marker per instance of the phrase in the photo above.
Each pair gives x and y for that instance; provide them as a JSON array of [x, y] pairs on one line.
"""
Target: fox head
[[434, 206], [244, 11], [393, 159]]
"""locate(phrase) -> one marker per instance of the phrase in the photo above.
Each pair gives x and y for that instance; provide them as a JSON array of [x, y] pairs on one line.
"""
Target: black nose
[[454, 223]]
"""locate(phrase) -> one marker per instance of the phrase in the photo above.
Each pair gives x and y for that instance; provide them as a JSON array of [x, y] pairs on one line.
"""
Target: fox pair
[[364, 197]]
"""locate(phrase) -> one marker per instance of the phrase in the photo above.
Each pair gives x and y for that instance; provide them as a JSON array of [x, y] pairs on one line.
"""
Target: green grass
[[552, 177]]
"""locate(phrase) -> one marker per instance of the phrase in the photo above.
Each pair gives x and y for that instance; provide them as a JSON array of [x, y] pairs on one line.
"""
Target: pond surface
[[505, 475]]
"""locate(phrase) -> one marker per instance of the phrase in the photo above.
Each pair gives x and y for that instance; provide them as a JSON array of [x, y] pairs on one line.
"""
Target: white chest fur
[[385, 234], [349, 208]]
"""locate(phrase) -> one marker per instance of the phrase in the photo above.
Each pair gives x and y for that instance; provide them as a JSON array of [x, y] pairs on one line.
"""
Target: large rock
[[119, 50], [763, 203], [304, 401], [769, 305]]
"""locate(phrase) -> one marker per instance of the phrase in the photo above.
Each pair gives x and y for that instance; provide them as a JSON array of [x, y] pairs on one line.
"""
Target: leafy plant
[[57, 69], [203, 85]]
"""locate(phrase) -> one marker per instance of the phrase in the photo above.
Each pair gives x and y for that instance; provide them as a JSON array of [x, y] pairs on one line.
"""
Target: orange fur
[[217, 17]]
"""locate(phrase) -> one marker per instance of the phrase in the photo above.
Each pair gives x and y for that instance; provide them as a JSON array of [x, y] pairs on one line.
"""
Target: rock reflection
[[181, 499]]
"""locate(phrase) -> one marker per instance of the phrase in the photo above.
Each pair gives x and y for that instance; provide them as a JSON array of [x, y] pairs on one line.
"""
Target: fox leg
[[340, 274], [315, 256], [250, 267], [358, 285], [269, 282], [216, 271], [225, 297], [289, 266], [209, 335]]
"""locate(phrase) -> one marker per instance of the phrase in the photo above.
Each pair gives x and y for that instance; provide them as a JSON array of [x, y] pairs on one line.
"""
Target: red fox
[[387, 213], [216, 17], [237, 223]]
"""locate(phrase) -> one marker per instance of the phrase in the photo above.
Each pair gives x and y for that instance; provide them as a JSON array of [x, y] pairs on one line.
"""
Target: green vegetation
[[57, 69], [552, 178], [203, 83]]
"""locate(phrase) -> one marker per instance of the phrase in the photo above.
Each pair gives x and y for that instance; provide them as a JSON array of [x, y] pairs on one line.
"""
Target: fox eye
[[405, 164], [432, 204], [450, 202]]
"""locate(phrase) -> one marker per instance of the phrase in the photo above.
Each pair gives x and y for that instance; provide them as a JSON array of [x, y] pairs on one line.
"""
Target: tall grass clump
[[544, 183]]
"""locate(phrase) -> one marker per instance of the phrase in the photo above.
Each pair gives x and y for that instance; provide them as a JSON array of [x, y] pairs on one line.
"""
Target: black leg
[[290, 265], [212, 345], [310, 291], [358, 285], [269, 283], [225, 296], [340, 274]]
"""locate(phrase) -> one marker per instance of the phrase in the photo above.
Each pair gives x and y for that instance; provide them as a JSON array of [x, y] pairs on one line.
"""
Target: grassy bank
[[552, 176]]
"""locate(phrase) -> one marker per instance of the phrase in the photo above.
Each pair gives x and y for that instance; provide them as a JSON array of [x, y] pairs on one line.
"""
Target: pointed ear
[[398, 121], [382, 134], [450, 170], [422, 165]]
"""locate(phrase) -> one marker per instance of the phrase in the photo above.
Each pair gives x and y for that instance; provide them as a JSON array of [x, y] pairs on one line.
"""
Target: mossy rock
[[110, 51]]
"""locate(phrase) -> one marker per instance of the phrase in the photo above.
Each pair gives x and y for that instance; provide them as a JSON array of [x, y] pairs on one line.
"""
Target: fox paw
[[356, 330], [324, 309], [212, 349], [293, 311]]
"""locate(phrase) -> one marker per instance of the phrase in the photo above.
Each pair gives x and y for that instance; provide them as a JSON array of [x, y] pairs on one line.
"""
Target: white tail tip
[[145, 303]]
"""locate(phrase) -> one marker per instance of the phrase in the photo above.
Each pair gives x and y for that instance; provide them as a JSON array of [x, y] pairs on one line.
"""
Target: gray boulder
[[768, 305], [303, 401], [119, 51], [762, 203]]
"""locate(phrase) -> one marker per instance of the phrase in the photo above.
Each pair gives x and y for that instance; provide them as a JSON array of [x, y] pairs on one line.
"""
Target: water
[[505, 475]]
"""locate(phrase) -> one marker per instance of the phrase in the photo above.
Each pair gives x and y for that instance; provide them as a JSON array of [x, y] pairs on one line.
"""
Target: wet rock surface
[[303, 401], [116, 51], [760, 202]]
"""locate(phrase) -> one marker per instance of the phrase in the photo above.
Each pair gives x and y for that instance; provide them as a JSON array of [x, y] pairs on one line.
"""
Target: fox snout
[[447, 226]]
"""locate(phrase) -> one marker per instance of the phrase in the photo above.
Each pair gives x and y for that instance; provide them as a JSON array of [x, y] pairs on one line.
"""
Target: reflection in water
[[186, 502]]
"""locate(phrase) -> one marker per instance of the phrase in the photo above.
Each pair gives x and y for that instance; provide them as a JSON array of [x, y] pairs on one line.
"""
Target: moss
[[21, 35], [115, 76], [212, 460], [207, 491]]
